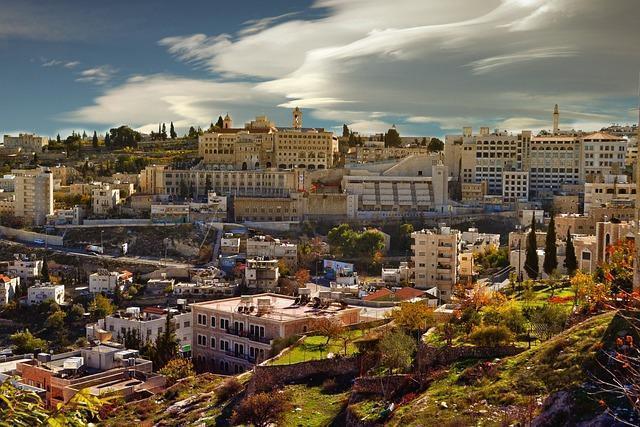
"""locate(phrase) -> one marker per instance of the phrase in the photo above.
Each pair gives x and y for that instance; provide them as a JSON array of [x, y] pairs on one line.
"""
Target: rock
[[444, 405]]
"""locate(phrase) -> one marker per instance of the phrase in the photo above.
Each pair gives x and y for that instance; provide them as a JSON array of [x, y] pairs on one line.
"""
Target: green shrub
[[491, 336]]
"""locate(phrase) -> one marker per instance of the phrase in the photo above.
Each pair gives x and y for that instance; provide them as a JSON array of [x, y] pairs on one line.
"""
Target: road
[[83, 253]]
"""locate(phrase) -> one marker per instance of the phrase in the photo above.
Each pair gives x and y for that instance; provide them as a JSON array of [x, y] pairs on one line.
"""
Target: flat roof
[[282, 307]]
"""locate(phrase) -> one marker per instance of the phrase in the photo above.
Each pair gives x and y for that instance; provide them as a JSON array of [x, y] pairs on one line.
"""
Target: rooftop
[[270, 306]]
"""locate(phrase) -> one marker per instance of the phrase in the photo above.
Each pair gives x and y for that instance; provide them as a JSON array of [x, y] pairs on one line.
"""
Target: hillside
[[511, 390]]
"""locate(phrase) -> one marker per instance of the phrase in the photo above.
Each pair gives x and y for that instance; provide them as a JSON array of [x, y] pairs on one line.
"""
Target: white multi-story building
[[26, 142], [26, 268], [229, 244], [553, 161], [106, 281], [104, 199], [146, 323], [603, 154], [33, 195], [8, 287], [479, 243], [268, 247], [435, 258], [41, 292]]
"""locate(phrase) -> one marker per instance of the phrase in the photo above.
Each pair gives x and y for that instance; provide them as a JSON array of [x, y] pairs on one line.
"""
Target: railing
[[246, 334]]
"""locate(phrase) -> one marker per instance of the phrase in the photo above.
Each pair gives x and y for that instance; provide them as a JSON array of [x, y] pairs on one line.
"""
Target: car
[[38, 241]]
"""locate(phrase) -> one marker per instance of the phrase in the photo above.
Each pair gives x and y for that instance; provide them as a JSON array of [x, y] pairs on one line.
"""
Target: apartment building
[[260, 144], [382, 153], [104, 198], [603, 154], [27, 268], [107, 281], [269, 247], [262, 274], [435, 259], [147, 323], [261, 209], [28, 142], [165, 213], [41, 292], [553, 160], [104, 369], [231, 335], [479, 243], [33, 195], [578, 224]]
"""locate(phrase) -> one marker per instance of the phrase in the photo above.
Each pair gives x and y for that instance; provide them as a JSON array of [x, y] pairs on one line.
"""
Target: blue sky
[[430, 67]]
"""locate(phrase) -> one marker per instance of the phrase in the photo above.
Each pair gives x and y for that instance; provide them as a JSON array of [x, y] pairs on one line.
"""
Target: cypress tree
[[531, 265], [570, 260], [550, 249], [107, 140], [220, 122], [94, 141], [172, 132], [44, 272]]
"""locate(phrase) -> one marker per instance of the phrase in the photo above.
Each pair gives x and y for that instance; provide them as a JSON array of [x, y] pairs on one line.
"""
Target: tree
[[84, 135], [72, 141], [531, 265], [172, 131], [101, 307], [220, 123], [262, 409], [229, 388], [164, 132], [396, 351], [94, 140], [132, 339], [617, 269], [570, 260], [55, 321], [435, 145], [404, 238], [491, 336], [581, 283], [345, 131], [329, 327], [44, 271], [193, 133], [166, 346], [302, 277], [550, 250], [24, 342], [177, 369], [107, 140], [123, 136], [549, 320], [76, 312], [413, 317], [392, 138]]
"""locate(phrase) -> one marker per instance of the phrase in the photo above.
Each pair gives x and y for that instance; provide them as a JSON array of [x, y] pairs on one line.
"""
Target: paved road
[[83, 253]]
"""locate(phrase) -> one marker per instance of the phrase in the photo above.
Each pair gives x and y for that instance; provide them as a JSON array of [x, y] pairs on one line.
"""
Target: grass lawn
[[542, 296], [316, 348], [312, 406]]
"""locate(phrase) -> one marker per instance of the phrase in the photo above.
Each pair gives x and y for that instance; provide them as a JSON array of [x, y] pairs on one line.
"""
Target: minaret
[[556, 119], [227, 122], [297, 118]]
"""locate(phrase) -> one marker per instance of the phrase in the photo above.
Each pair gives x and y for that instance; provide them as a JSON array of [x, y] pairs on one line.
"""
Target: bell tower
[[227, 122], [297, 118]]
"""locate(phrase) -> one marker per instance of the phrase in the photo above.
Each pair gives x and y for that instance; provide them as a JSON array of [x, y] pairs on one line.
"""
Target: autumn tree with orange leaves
[[617, 270]]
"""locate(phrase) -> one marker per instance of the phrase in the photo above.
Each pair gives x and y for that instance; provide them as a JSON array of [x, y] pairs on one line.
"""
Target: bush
[[262, 409], [228, 389], [491, 336], [475, 374], [330, 385], [176, 369]]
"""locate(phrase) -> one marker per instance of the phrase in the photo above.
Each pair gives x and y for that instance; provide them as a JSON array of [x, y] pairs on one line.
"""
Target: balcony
[[246, 334], [239, 355]]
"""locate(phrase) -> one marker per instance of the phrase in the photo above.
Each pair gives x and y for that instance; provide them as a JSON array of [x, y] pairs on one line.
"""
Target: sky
[[429, 67]]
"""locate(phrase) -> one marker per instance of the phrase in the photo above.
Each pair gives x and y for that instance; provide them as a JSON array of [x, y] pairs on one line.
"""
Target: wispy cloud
[[51, 63], [57, 62], [98, 75], [487, 65], [71, 64]]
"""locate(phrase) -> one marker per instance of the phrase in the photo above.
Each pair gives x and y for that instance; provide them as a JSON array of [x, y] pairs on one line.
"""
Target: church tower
[[556, 120], [227, 122], [297, 118]]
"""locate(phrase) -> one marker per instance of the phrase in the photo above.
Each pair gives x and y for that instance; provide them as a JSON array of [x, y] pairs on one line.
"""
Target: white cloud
[[71, 64], [445, 63], [486, 65], [97, 75], [51, 63]]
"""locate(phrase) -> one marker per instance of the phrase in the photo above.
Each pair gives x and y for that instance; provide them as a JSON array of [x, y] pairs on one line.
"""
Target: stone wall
[[30, 236], [386, 385], [268, 377], [429, 356]]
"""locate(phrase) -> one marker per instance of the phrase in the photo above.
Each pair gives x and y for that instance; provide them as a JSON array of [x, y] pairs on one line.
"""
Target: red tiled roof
[[154, 310], [381, 293], [4, 278], [407, 293]]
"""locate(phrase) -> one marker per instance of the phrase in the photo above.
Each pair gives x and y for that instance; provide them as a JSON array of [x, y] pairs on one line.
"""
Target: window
[[213, 342], [224, 323], [202, 319], [202, 340], [213, 321]]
